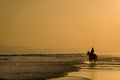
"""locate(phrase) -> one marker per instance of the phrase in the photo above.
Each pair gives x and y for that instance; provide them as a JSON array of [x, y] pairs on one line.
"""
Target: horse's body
[[92, 57]]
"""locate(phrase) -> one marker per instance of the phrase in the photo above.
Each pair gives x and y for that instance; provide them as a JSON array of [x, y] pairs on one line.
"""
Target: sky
[[66, 25]]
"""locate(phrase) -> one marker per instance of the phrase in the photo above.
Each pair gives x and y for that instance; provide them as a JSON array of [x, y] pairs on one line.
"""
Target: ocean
[[51, 66]]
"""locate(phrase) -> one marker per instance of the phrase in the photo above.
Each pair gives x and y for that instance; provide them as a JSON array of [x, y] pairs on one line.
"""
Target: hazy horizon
[[77, 25]]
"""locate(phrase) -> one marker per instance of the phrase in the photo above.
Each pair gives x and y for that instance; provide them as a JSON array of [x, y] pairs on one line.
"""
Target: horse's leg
[[90, 60]]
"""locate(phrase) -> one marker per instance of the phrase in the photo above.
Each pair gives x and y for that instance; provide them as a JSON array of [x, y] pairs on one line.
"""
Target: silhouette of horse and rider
[[92, 56]]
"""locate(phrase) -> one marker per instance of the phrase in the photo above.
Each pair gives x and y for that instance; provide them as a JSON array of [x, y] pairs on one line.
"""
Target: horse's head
[[88, 53]]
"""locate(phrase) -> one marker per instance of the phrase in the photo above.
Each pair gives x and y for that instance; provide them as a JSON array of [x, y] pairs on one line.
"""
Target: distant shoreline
[[41, 54]]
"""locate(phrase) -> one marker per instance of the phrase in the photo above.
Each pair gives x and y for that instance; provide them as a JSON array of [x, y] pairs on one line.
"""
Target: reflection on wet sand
[[98, 72]]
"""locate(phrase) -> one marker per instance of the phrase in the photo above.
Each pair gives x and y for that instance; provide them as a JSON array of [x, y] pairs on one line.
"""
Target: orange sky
[[75, 25]]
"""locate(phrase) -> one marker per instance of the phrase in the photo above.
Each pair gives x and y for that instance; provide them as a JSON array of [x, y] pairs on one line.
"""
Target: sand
[[70, 78]]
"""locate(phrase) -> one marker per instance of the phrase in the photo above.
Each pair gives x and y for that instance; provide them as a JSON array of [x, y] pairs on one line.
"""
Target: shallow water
[[105, 69]]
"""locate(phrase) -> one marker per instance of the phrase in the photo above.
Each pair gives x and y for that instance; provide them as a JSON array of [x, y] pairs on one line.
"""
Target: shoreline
[[59, 71]]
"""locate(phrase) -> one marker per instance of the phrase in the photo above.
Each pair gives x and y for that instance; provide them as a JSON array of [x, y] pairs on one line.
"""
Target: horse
[[92, 57]]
